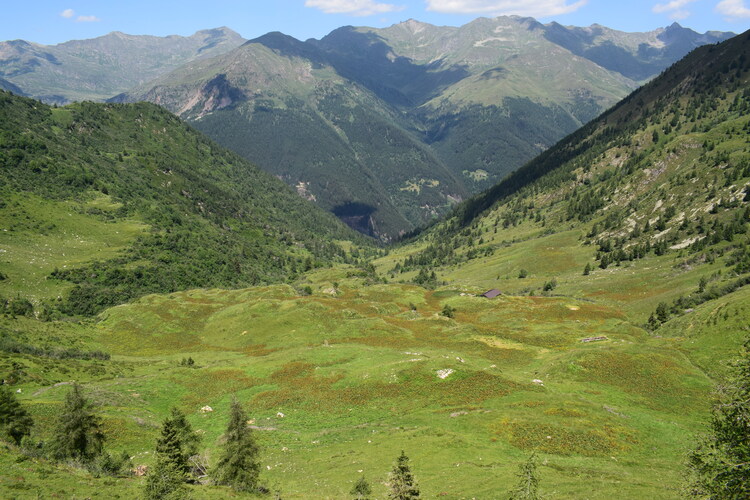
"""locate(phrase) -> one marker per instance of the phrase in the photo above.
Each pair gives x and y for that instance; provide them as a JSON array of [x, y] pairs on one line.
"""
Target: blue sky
[[55, 21]]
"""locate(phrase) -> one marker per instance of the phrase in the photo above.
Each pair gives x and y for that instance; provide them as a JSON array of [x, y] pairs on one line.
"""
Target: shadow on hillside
[[367, 59], [357, 216]]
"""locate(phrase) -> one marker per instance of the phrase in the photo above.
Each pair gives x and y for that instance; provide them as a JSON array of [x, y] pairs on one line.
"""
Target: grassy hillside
[[104, 203], [646, 205]]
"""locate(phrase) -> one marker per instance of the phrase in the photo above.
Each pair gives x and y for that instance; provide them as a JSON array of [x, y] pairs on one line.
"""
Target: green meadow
[[38, 236], [337, 383]]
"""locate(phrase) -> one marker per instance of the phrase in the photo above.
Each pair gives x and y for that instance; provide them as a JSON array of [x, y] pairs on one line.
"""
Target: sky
[[54, 21]]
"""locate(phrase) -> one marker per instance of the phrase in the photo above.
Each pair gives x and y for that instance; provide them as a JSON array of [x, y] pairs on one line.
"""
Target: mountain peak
[[277, 40], [220, 32], [413, 25], [675, 26], [274, 36]]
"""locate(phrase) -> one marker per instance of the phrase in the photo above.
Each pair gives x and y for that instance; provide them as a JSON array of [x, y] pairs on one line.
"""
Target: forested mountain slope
[[123, 200]]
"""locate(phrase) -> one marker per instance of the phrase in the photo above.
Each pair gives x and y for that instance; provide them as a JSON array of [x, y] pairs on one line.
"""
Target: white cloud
[[352, 7], [87, 19], [67, 13], [532, 8], [679, 15], [669, 6], [675, 9], [733, 9]]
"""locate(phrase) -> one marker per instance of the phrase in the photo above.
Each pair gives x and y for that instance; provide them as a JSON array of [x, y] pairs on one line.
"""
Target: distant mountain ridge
[[468, 104], [638, 56], [99, 68]]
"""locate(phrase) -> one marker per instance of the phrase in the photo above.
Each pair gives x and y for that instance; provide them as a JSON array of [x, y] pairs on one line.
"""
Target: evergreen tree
[[662, 312], [169, 445], [174, 447], [719, 467], [238, 466], [653, 323], [78, 434], [15, 421], [402, 483], [165, 481], [528, 483], [189, 440], [361, 489]]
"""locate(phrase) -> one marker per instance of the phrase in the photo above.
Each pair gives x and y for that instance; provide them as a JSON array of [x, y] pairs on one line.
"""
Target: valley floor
[[337, 383]]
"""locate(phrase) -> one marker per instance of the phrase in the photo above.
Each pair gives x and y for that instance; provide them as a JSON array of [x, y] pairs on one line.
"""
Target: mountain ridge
[[96, 69]]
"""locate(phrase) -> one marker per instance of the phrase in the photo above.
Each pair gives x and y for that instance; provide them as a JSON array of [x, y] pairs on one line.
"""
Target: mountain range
[[389, 127], [386, 128], [99, 68]]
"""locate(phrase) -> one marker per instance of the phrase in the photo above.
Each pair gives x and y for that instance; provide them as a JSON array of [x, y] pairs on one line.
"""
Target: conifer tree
[[78, 434], [361, 489], [719, 467], [174, 446], [177, 430], [528, 481], [165, 481], [169, 446], [15, 421], [238, 466], [402, 483]]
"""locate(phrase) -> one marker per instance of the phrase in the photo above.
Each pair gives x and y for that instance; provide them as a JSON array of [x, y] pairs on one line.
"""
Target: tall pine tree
[[78, 434], [178, 442], [238, 466], [15, 421], [719, 467], [402, 483]]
